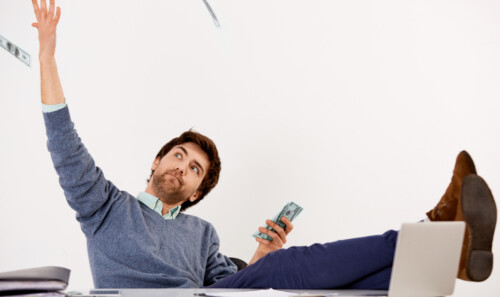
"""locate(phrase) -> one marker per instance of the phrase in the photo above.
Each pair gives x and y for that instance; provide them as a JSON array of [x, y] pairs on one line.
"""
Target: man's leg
[[319, 266], [364, 263], [376, 281]]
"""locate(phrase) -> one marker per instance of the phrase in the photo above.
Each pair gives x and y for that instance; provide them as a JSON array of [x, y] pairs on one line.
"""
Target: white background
[[355, 110]]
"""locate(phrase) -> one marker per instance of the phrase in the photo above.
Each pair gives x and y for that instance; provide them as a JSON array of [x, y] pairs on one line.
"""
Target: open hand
[[46, 25]]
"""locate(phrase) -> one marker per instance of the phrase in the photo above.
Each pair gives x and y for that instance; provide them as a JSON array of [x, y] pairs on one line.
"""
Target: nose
[[180, 170]]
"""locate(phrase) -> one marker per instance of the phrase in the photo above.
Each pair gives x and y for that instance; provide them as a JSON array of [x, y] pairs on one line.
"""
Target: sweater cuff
[[57, 120]]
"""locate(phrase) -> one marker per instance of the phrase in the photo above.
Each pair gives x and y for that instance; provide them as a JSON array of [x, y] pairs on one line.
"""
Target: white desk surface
[[191, 292]]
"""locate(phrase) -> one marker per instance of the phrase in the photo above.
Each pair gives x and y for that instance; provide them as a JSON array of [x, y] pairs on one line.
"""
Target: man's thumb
[[35, 25]]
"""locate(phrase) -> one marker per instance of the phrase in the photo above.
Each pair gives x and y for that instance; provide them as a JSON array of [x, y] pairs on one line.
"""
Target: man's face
[[178, 175]]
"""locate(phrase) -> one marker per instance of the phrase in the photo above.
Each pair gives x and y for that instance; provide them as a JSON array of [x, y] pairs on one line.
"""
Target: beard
[[168, 192]]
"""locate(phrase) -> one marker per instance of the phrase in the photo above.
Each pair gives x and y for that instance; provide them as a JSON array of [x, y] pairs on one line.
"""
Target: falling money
[[290, 210], [15, 50], [211, 11]]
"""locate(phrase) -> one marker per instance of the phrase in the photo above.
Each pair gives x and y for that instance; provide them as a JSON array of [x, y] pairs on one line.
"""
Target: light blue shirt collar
[[155, 204]]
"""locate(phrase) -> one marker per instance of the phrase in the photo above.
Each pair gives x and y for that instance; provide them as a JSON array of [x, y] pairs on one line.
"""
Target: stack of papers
[[41, 281], [265, 293], [257, 293]]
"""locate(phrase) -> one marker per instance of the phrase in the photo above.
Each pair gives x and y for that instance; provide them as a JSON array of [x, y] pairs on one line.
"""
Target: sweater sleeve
[[84, 185], [218, 265]]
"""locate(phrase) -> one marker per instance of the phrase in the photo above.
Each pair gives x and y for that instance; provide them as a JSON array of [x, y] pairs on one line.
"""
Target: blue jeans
[[358, 263]]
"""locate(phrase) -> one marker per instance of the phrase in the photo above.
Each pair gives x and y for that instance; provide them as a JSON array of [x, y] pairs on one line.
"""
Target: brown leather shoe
[[469, 199], [478, 208], [447, 208]]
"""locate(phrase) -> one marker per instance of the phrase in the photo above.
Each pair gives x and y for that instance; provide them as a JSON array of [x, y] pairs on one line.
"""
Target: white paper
[[257, 293]]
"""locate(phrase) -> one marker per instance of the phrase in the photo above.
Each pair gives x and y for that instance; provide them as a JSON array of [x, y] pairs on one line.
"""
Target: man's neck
[[166, 207]]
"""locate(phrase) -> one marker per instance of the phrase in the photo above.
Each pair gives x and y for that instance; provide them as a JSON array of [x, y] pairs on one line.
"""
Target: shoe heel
[[480, 265]]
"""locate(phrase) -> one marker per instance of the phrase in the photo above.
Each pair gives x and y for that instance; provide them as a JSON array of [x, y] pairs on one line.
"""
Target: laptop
[[426, 260]]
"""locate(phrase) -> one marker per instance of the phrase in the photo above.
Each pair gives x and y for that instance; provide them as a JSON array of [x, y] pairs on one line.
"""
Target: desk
[[191, 292]]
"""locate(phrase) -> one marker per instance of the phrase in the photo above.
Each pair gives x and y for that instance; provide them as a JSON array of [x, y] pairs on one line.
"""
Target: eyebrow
[[195, 162]]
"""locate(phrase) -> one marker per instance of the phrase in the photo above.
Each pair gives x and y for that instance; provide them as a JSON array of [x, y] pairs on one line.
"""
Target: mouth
[[176, 177]]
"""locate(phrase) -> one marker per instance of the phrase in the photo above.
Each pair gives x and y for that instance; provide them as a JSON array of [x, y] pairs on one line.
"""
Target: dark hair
[[208, 146]]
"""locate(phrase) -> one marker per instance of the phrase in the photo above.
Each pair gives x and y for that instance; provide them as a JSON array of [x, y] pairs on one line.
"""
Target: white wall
[[356, 110]]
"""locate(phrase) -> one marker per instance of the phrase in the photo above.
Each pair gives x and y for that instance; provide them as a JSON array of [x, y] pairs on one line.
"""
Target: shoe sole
[[480, 214]]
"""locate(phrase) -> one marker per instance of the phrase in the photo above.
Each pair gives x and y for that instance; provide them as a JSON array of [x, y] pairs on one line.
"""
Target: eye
[[195, 169], [178, 156]]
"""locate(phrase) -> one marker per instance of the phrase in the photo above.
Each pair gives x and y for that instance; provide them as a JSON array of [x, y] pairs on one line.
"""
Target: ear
[[195, 196], [155, 164]]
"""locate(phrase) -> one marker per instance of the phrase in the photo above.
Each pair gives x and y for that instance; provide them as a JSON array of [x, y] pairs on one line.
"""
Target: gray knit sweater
[[130, 245]]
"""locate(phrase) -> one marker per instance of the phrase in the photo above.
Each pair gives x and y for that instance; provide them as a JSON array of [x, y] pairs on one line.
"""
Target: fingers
[[263, 241], [51, 9], [278, 230], [278, 234], [36, 8], [277, 242], [42, 11], [288, 223], [58, 15], [35, 25], [277, 238], [42, 14], [44, 6]]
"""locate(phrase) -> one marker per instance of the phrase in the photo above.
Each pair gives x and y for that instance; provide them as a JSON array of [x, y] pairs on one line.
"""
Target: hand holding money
[[273, 235], [275, 232], [290, 211], [277, 237], [46, 25]]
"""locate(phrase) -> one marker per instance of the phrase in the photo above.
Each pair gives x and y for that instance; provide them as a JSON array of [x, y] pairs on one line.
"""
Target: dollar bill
[[15, 50], [211, 11], [291, 210]]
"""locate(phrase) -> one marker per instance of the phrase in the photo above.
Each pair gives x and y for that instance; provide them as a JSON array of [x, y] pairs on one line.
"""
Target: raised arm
[[46, 24], [85, 187]]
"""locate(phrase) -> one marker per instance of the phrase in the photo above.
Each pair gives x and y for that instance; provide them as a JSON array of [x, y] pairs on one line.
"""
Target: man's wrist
[[261, 252], [264, 250]]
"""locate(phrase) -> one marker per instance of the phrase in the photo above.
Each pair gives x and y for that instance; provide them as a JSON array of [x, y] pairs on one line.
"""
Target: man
[[148, 242]]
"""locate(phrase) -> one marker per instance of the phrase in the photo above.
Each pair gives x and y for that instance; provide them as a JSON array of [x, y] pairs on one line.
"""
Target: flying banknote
[[15, 50]]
